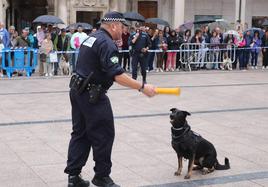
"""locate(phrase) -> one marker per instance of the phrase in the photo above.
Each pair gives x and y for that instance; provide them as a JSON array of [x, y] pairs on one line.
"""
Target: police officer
[[92, 117], [141, 43]]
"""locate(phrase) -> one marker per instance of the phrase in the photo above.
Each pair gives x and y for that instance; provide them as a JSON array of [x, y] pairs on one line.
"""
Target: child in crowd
[[46, 48]]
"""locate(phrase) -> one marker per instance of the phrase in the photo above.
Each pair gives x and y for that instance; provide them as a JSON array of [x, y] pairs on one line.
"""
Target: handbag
[[53, 57]]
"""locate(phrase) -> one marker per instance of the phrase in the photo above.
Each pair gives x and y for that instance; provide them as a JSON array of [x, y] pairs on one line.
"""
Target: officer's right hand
[[149, 90]]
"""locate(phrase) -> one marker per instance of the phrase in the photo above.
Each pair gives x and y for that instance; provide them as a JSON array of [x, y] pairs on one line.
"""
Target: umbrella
[[231, 32], [134, 16], [86, 26], [223, 25], [265, 23], [253, 29], [204, 21], [157, 21], [48, 19], [186, 26]]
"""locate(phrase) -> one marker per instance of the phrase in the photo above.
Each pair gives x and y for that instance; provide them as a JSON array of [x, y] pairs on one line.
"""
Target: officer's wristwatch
[[142, 88]]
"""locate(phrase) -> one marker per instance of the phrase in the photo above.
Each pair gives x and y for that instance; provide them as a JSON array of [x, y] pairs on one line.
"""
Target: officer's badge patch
[[114, 59], [90, 41]]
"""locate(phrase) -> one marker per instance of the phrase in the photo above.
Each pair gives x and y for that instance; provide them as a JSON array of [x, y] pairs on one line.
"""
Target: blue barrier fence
[[20, 60]]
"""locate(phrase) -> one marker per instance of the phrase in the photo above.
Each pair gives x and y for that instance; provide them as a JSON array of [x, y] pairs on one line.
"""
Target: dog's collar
[[186, 129], [178, 129]]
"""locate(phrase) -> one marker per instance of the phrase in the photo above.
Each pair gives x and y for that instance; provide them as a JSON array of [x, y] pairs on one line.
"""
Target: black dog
[[192, 146]]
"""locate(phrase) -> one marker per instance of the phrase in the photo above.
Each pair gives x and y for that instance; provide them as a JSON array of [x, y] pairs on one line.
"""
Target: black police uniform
[[93, 123], [138, 57]]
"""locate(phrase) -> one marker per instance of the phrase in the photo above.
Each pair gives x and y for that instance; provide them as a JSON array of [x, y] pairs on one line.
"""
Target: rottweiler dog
[[192, 146]]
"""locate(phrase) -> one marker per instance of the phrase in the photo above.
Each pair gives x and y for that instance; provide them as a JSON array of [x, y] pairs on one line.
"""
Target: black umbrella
[[48, 19], [204, 21], [265, 23], [134, 16], [86, 26], [157, 21]]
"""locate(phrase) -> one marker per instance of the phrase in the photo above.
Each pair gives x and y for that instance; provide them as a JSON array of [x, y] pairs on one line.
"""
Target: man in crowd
[[141, 43], [62, 44], [125, 55], [4, 35], [76, 40]]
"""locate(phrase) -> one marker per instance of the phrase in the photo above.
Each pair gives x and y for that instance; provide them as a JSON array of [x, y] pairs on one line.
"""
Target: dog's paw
[[187, 176], [177, 173], [204, 171]]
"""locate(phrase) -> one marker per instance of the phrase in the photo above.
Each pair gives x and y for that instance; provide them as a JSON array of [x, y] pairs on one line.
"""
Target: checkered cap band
[[114, 19]]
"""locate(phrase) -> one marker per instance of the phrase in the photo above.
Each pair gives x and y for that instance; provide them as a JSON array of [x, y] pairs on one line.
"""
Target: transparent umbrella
[[223, 25]]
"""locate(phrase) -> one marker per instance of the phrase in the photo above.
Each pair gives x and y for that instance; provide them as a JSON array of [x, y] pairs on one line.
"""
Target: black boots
[[104, 182], [77, 181]]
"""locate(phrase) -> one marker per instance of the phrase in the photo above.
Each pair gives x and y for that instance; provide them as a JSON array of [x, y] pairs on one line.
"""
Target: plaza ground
[[228, 108]]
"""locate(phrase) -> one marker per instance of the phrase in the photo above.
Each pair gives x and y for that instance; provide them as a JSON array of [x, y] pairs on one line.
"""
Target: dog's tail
[[226, 165]]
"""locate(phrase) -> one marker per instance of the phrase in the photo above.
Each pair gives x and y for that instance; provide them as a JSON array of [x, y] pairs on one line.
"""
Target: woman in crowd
[[256, 44], [166, 35], [248, 41], [46, 48], [161, 42], [215, 46], [187, 36], [239, 52], [173, 44]]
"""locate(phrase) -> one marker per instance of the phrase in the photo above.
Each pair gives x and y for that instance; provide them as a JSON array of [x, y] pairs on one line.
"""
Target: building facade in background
[[22, 12]]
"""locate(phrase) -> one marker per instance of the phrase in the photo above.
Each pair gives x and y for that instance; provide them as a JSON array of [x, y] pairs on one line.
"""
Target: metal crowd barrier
[[20, 60], [196, 54]]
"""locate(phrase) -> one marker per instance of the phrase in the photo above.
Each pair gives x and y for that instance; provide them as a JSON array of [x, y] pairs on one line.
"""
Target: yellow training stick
[[172, 91]]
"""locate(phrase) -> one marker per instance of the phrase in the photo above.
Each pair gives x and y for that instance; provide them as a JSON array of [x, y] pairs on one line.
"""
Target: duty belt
[[81, 84]]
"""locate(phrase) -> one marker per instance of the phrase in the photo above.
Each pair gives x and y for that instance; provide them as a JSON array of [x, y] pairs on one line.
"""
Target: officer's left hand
[[144, 50], [149, 90]]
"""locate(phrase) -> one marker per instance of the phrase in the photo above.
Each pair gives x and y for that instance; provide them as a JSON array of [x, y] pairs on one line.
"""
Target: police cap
[[114, 17]]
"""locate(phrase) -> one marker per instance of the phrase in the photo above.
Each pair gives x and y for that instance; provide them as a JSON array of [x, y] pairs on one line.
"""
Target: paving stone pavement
[[230, 109]]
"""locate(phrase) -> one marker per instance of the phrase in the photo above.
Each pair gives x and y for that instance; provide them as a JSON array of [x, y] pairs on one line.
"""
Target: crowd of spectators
[[49, 38]]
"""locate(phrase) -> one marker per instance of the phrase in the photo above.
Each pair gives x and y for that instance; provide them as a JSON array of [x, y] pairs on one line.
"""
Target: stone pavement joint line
[[137, 116], [217, 180], [120, 89]]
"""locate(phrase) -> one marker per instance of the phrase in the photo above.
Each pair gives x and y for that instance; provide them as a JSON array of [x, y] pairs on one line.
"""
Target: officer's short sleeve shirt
[[99, 54]]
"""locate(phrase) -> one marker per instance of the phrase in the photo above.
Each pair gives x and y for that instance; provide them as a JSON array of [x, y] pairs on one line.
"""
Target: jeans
[[254, 58]]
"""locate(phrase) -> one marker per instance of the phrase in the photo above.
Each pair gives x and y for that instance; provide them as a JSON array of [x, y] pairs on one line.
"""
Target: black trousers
[[265, 58], [139, 58], [126, 59], [93, 127]]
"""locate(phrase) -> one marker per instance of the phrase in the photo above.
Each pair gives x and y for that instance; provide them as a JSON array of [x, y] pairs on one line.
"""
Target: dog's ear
[[173, 109], [186, 113]]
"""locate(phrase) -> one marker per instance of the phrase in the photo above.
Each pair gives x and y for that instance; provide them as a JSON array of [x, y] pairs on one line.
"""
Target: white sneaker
[[157, 70], [263, 67], [161, 70], [256, 67], [50, 74], [1, 75], [252, 67], [46, 74], [266, 67]]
